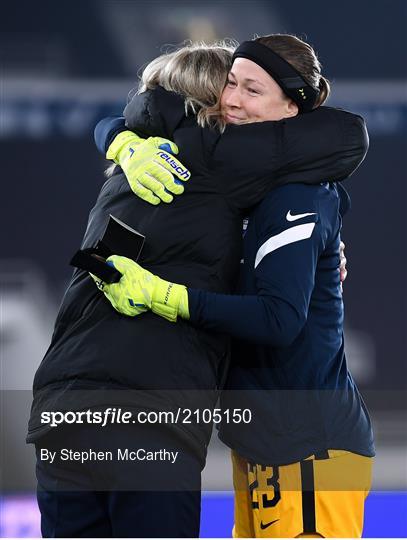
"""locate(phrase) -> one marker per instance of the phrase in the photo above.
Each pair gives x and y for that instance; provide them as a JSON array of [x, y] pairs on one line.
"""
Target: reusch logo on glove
[[184, 173]]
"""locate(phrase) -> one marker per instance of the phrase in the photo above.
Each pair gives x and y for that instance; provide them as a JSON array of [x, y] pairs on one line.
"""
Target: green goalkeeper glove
[[139, 290], [149, 166]]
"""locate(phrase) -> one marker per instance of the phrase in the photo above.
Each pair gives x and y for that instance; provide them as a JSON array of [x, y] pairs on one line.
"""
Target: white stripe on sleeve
[[294, 234]]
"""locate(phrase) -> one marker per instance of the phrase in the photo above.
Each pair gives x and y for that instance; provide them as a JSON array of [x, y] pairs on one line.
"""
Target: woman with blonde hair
[[98, 357], [302, 466]]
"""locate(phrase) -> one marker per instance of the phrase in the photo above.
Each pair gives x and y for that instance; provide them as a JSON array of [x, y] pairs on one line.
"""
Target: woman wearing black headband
[[309, 412], [181, 244]]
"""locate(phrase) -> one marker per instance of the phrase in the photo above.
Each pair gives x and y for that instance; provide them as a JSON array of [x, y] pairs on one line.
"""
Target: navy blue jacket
[[288, 363]]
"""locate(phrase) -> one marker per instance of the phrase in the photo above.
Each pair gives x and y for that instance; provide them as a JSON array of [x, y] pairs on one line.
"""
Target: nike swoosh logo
[[294, 217], [265, 525]]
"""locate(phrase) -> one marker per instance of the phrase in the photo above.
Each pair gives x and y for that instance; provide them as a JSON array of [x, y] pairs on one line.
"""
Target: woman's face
[[252, 95]]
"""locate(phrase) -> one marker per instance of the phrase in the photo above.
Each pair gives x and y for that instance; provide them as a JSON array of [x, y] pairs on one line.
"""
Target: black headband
[[285, 75]]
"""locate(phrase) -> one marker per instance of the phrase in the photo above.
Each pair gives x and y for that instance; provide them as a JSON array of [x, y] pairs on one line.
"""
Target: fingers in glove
[[165, 177], [123, 265], [167, 146], [120, 301], [164, 144], [173, 165], [155, 186], [144, 193]]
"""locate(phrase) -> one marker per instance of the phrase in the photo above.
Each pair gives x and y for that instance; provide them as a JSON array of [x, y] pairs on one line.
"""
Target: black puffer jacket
[[99, 357]]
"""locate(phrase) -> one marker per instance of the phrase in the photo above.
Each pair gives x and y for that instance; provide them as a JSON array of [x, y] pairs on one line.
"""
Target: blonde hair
[[196, 71], [302, 57]]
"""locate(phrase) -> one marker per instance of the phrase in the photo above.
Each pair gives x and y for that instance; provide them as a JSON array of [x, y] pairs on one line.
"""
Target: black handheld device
[[118, 239]]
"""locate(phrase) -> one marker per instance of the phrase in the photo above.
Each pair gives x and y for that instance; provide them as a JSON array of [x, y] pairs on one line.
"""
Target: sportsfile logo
[[183, 173]]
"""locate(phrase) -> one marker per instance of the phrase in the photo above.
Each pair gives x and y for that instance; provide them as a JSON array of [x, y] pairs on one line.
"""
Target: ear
[[291, 108]]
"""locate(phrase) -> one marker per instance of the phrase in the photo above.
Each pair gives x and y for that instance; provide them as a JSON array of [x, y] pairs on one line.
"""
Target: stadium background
[[67, 64]]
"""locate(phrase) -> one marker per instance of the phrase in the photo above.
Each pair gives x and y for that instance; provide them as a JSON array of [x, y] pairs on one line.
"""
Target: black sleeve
[[329, 141], [324, 145]]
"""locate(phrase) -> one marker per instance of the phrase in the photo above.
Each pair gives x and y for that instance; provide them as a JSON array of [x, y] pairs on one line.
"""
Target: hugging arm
[[157, 176], [151, 169], [284, 271], [324, 145]]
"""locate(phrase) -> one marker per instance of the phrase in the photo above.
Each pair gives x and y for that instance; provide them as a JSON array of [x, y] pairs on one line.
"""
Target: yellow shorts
[[323, 495]]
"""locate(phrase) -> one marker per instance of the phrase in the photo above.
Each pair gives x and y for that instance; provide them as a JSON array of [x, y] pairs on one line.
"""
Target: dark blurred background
[[66, 64]]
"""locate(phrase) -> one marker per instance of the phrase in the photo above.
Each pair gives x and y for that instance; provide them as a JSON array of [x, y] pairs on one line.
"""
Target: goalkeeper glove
[[149, 166], [139, 290]]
